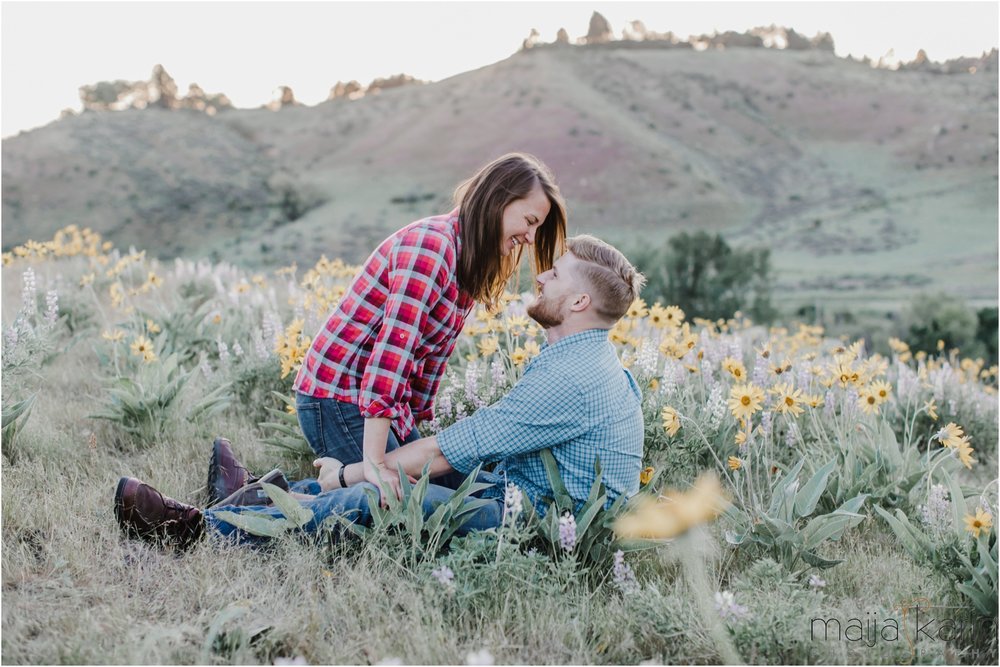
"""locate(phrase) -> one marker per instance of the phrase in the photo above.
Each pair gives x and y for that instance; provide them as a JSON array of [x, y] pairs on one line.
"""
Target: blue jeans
[[337, 429], [350, 503]]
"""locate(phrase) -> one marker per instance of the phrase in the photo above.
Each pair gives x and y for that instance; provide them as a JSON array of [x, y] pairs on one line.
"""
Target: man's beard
[[546, 312]]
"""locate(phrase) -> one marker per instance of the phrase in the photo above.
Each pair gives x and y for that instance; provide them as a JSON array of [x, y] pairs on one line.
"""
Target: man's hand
[[382, 476], [329, 473]]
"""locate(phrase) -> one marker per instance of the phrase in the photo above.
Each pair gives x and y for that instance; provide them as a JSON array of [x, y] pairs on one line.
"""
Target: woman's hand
[[329, 473]]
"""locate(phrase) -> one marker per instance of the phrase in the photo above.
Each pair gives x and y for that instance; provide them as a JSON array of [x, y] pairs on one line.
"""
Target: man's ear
[[581, 302]]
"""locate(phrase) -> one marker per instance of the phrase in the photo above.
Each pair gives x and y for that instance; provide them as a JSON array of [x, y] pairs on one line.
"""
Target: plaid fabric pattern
[[574, 398], [386, 345]]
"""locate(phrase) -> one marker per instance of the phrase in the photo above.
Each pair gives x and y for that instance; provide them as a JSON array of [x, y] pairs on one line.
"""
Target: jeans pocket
[[311, 423]]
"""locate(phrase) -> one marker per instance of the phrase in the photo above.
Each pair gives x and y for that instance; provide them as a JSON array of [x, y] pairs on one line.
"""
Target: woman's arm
[[412, 457]]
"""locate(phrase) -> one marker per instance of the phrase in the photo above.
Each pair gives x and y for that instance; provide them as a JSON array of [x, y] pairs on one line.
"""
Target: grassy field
[[75, 591]]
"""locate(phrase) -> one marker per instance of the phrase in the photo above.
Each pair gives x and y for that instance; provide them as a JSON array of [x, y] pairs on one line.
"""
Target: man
[[574, 399]]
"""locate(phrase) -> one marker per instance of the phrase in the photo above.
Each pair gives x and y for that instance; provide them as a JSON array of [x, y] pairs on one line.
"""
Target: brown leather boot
[[147, 514], [225, 473]]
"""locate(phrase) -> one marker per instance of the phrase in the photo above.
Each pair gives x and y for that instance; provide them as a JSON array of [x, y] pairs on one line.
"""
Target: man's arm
[[412, 457]]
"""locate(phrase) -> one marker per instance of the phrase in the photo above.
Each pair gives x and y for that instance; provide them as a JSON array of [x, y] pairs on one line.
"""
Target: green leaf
[[808, 495], [563, 500], [11, 413], [958, 508], [826, 527], [296, 514], [778, 492], [818, 561], [254, 523]]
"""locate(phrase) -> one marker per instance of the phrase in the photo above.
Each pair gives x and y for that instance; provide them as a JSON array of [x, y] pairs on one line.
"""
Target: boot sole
[[213, 493], [269, 478]]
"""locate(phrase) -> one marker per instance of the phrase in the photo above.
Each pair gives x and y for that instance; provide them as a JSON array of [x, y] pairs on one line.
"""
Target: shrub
[[706, 277]]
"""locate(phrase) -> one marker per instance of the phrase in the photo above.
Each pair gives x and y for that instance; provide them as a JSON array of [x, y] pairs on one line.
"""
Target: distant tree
[[162, 89], [933, 317], [823, 41], [599, 31], [796, 42], [195, 98], [706, 278], [348, 89], [394, 81], [562, 37], [531, 40], [114, 95], [635, 31], [283, 97]]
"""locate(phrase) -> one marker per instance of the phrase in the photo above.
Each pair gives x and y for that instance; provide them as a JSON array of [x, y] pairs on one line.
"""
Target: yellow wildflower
[[674, 512], [964, 450], [532, 348], [114, 335], [980, 522], [671, 421], [654, 384], [488, 345], [734, 463], [646, 475], [950, 435], [673, 316], [931, 408], [143, 347], [638, 309], [882, 390], [87, 279], [518, 356], [657, 315], [741, 437], [152, 327], [745, 400], [868, 402], [789, 399], [735, 368], [778, 369]]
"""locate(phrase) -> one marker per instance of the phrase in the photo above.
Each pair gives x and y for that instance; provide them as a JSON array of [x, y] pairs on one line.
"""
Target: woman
[[374, 367]]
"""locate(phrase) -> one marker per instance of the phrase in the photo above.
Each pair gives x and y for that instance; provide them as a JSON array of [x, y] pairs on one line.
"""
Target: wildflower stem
[[692, 548]]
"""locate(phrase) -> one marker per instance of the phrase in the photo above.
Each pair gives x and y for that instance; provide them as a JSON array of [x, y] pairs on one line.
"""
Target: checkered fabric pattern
[[386, 345], [574, 398]]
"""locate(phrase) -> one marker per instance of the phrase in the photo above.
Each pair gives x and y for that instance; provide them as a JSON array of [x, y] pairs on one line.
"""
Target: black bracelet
[[340, 476]]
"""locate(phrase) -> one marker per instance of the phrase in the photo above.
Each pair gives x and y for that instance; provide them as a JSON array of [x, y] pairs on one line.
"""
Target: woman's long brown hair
[[482, 271]]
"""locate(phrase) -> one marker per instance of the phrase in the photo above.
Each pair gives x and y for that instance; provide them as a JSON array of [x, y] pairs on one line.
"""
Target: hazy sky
[[247, 49]]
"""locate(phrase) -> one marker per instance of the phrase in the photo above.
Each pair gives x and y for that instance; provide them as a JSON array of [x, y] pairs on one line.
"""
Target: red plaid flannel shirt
[[386, 345]]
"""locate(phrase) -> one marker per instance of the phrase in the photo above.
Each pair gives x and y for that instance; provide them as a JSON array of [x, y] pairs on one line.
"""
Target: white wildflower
[[444, 575], [728, 608], [51, 306], [623, 576], [481, 657], [512, 503], [567, 532]]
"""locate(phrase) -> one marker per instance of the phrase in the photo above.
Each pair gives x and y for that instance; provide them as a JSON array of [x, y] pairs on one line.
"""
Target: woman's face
[[522, 218]]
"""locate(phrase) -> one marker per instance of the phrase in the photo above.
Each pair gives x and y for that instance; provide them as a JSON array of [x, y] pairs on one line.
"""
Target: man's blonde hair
[[615, 282]]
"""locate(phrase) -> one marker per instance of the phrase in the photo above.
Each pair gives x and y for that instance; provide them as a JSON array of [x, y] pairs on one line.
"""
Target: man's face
[[557, 287]]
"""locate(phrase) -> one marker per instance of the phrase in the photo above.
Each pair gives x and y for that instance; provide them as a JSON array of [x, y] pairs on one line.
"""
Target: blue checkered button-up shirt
[[575, 399]]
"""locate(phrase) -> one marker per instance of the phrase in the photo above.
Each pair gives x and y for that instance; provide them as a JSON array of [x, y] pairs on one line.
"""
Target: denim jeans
[[351, 503], [337, 429]]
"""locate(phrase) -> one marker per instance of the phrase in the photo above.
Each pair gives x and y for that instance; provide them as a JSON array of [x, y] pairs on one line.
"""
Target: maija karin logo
[[918, 620]]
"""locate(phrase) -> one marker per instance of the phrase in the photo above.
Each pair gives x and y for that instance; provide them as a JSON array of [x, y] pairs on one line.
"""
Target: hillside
[[875, 182]]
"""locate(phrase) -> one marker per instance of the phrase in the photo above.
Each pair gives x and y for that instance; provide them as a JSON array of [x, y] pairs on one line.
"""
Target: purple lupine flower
[[567, 532]]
